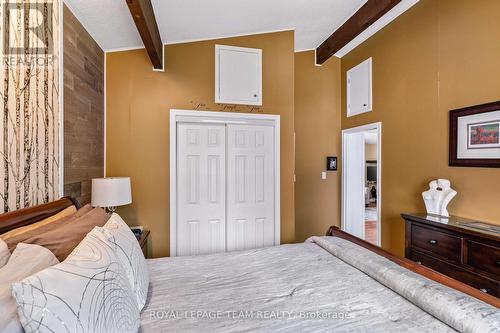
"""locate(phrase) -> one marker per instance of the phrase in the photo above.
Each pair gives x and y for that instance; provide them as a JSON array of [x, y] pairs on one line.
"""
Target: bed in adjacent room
[[332, 283]]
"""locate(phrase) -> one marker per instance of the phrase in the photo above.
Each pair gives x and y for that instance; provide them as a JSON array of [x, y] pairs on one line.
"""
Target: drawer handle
[[418, 262], [433, 242], [498, 263], [483, 290]]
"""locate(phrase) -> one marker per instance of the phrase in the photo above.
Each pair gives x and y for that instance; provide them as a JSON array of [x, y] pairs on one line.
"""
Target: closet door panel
[[250, 186], [201, 188]]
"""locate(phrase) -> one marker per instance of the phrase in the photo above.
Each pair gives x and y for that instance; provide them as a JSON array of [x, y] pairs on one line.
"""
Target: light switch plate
[[323, 175]]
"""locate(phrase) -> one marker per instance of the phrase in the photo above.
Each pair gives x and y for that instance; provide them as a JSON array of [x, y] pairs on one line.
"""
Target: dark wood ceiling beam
[[368, 14], [144, 18]]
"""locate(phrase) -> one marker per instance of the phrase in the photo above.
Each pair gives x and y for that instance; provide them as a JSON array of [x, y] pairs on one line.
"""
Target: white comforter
[[296, 288]]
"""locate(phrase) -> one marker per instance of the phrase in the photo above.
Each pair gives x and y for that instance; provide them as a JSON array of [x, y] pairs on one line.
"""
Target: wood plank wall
[[83, 109]]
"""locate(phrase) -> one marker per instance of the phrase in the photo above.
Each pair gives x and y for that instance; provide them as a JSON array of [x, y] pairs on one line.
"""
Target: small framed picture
[[475, 136], [331, 163]]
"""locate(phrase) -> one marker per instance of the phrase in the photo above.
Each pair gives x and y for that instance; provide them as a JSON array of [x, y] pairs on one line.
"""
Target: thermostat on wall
[[331, 163]]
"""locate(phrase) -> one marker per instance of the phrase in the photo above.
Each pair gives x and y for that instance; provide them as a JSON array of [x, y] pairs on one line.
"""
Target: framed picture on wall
[[475, 136]]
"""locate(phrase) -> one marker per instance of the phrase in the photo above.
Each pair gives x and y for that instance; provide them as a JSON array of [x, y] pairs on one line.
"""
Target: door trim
[[195, 116], [378, 127]]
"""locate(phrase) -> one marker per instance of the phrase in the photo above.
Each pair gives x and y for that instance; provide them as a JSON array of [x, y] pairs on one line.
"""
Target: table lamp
[[111, 192]]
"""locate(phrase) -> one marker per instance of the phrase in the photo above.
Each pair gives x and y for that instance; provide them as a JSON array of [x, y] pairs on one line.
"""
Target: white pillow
[[128, 251], [4, 253], [27, 259], [88, 292]]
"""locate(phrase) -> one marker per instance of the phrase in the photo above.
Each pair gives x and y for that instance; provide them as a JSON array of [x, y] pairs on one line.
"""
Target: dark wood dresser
[[456, 247]]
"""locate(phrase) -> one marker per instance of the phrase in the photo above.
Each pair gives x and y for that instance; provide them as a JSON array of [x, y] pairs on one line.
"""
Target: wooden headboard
[[29, 215]]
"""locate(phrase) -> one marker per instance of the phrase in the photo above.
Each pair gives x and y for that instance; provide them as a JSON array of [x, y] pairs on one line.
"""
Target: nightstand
[[143, 242]]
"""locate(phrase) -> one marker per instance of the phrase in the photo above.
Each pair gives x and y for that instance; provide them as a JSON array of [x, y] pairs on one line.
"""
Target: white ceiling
[[111, 25], [108, 21]]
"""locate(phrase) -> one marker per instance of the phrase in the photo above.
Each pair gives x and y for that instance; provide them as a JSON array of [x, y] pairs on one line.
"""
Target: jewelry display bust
[[438, 197]]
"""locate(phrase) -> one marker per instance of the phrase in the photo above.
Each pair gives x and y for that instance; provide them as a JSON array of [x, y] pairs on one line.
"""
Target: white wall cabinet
[[359, 88], [238, 75]]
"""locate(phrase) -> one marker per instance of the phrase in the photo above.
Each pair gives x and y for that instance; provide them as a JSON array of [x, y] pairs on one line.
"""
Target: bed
[[324, 284], [331, 283]]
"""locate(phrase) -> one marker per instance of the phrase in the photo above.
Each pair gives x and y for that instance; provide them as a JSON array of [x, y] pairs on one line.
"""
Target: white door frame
[[369, 127], [212, 117]]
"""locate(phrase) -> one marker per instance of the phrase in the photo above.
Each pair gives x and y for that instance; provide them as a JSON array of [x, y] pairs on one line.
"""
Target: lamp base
[[110, 210]]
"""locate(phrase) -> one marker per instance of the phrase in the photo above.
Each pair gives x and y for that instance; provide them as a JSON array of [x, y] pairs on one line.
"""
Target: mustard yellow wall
[[138, 101], [438, 56], [317, 129]]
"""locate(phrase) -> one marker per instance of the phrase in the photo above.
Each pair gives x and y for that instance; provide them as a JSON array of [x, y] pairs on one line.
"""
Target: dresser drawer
[[439, 243], [484, 284], [483, 257]]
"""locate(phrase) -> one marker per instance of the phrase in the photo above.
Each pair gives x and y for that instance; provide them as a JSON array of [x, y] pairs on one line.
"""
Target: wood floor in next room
[[371, 232]]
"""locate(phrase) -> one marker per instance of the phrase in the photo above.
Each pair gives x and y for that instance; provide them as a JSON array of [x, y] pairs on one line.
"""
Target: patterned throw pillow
[[128, 251], [26, 260], [88, 292]]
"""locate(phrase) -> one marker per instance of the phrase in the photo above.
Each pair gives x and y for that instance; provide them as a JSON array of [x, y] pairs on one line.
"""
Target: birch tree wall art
[[29, 88]]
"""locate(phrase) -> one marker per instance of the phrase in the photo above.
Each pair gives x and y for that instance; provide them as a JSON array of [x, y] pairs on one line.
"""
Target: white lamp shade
[[111, 192]]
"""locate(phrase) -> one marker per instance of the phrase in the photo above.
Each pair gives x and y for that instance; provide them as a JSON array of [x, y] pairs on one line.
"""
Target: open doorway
[[361, 182]]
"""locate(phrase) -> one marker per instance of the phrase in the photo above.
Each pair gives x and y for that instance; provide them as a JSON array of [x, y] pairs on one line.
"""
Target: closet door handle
[[433, 242]]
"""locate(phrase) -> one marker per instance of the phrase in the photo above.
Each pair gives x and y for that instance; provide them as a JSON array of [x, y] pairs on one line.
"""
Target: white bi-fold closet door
[[201, 190], [225, 187], [250, 186]]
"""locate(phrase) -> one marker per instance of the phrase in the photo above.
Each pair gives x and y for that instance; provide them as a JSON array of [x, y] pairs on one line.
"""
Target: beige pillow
[[22, 237], [26, 260], [63, 240], [4, 253], [63, 213]]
